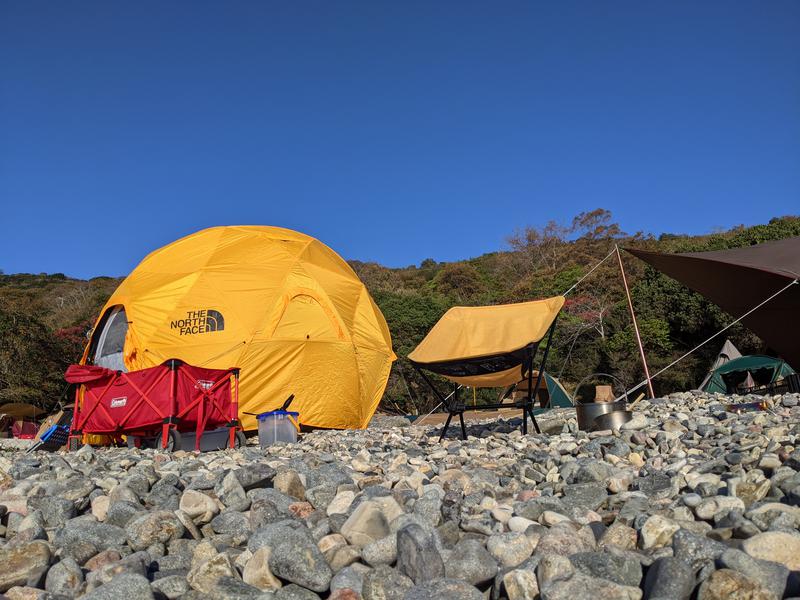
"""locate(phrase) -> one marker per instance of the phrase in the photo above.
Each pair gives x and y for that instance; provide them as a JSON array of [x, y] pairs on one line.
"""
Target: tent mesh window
[[109, 352]]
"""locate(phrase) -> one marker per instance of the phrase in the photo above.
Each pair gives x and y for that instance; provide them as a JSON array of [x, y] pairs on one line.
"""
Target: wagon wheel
[[240, 441], [173, 441]]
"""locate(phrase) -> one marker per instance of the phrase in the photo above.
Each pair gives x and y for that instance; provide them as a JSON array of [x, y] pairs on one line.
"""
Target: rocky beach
[[688, 500]]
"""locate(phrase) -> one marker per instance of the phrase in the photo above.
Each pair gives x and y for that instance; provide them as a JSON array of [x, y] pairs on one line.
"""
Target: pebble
[[24, 565], [669, 578], [417, 555], [726, 584], [775, 546], [470, 562], [657, 531], [443, 589], [257, 572], [510, 549]]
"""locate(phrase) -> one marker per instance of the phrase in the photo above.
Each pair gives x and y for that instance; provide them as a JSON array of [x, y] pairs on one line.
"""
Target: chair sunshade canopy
[[486, 346]]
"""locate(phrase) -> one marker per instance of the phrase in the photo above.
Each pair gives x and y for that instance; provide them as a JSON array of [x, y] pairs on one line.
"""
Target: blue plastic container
[[277, 426]]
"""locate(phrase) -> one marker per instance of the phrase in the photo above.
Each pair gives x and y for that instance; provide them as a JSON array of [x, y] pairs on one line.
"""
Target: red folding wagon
[[157, 404]]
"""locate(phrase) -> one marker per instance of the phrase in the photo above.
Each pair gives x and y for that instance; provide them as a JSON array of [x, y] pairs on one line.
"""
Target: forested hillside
[[44, 318]]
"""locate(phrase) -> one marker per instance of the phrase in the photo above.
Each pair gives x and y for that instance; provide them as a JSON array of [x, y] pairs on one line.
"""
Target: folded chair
[[488, 346]]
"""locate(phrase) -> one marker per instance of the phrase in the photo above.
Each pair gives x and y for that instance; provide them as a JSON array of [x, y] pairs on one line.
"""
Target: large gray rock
[[417, 555], [263, 512], [619, 568], [470, 562], [585, 496], [24, 565], [232, 523], [443, 589], [385, 583], [695, 549], [775, 546], [281, 501], [770, 575], [254, 476], [294, 557], [669, 578], [120, 513], [64, 578], [728, 585], [56, 510], [205, 574], [510, 549], [295, 592], [231, 493], [171, 586], [126, 585], [584, 587], [153, 527], [233, 588], [84, 529], [565, 539], [658, 486]]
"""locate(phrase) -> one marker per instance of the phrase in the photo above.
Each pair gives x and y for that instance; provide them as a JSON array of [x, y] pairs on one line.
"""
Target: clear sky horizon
[[393, 132]]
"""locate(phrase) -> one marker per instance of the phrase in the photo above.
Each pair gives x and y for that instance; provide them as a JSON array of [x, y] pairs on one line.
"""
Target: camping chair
[[51, 440], [489, 346]]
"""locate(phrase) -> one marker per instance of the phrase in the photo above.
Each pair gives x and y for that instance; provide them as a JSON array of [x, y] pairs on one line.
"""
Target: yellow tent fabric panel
[[279, 304], [475, 331]]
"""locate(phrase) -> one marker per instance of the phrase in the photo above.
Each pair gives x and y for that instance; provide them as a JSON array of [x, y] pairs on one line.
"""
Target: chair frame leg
[[446, 425]]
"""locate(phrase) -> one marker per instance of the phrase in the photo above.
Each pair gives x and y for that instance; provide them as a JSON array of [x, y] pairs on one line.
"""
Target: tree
[[32, 361], [461, 282]]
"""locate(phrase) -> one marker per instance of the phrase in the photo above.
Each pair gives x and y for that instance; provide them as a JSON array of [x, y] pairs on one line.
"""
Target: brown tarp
[[738, 280]]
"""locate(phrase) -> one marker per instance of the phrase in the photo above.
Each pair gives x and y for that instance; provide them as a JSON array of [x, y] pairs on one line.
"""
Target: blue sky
[[391, 131]]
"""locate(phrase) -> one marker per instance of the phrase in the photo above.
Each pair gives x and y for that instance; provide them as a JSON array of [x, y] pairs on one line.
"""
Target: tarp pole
[[635, 325]]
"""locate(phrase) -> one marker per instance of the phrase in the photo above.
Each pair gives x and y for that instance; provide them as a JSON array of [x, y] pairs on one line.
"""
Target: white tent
[[726, 354]]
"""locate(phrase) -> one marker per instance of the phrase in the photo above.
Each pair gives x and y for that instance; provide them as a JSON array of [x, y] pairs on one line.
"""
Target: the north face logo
[[199, 321]]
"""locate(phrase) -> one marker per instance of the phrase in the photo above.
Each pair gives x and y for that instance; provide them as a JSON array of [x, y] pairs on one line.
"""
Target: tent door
[[109, 349], [304, 318]]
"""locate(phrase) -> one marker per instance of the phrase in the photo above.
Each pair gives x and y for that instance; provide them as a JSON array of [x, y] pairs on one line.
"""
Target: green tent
[[551, 393], [729, 377], [557, 395]]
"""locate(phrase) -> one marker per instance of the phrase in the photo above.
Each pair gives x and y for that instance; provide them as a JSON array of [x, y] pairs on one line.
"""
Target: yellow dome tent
[[279, 304]]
